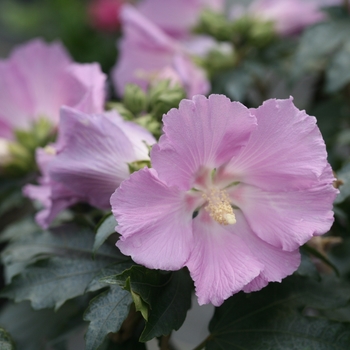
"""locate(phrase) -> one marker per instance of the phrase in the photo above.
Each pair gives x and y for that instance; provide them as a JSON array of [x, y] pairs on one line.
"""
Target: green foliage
[[104, 229], [276, 318], [326, 47], [31, 329], [167, 295], [63, 266], [6, 342], [106, 314]]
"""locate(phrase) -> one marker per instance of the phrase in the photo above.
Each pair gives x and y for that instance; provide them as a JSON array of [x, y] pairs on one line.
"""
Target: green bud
[[262, 33], [214, 24], [121, 109], [164, 96], [135, 99], [150, 123]]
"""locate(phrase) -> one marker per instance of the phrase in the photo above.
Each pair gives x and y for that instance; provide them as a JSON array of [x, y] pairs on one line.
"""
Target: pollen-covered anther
[[219, 207]]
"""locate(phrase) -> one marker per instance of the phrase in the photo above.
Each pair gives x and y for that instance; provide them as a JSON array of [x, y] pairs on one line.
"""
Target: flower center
[[219, 207]]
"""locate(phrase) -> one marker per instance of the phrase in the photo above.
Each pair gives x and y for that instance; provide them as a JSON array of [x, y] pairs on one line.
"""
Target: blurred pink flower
[[145, 51], [232, 194], [289, 16], [89, 160], [177, 17], [104, 14], [38, 78]]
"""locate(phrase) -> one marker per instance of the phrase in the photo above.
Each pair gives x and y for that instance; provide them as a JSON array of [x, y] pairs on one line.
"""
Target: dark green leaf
[[234, 83], [318, 43], [66, 271], [31, 329], [101, 279], [168, 296], [272, 318], [338, 73], [106, 313], [6, 342], [104, 230]]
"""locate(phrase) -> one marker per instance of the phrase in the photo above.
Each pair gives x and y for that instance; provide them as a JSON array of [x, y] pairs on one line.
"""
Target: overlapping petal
[[93, 161], [202, 133], [145, 50], [285, 152], [155, 221], [221, 263]]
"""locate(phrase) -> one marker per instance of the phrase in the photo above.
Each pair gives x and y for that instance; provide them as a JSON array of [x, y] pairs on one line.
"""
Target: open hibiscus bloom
[[232, 194]]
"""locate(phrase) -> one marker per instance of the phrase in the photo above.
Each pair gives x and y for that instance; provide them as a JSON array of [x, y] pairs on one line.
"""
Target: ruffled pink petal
[[284, 153], [221, 263], [277, 263], [93, 161], [203, 132], [286, 219], [154, 220]]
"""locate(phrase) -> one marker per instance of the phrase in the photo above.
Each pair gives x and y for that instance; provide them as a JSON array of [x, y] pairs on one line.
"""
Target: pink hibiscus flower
[[232, 194], [289, 16], [38, 78], [145, 51], [89, 160], [177, 17]]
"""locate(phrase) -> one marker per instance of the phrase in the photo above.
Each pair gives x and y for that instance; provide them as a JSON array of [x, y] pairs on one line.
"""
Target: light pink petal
[[17, 109], [139, 137], [192, 77], [278, 264], [286, 219], [201, 133], [290, 16], [285, 152], [221, 263], [144, 50], [54, 198], [85, 85], [154, 220], [175, 17], [5, 130], [44, 79], [94, 159]]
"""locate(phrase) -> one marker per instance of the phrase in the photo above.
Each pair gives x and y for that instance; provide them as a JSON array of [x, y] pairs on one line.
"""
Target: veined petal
[[221, 263], [201, 133], [285, 152], [154, 220], [93, 161], [286, 219], [278, 264]]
